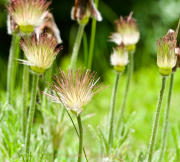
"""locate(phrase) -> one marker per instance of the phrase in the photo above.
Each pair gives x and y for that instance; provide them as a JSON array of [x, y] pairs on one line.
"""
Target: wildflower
[[49, 27], [126, 31], [119, 58], [28, 13], [40, 53], [166, 58], [74, 91], [83, 10]]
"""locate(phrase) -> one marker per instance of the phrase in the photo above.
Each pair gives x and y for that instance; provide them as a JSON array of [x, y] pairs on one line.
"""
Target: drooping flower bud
[[83, 10], [126, 32], [40, 52], [119, 58], [49, 27], [12, 26], [166, 58], [177, 53], [74, 91], [28, 13]]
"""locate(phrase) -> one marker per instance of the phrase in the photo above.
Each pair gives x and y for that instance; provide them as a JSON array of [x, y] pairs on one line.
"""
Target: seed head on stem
[[126, 31], [40, 52], [74, 91], [28, 13]]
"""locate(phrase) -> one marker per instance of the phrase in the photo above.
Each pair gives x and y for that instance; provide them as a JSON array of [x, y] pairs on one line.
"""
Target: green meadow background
[[154, 18]]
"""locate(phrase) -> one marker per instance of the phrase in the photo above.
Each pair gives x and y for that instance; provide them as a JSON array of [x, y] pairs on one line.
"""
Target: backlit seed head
[[74, 91], [28, 13], [166, 58], [49, 27], [119, 58], [83, 10], [40, 52], [126, 31]]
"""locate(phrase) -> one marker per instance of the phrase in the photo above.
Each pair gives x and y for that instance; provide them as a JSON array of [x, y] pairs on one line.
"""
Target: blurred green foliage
[[154, 18]]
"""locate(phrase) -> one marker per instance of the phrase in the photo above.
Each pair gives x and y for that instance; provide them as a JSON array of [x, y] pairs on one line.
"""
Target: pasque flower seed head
[[74, 91], [40, 52], [119, 58], [166, 58], [28, 13], [126, 31]]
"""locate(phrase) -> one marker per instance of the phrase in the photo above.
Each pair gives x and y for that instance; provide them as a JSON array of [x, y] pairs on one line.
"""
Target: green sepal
[[26, 29], [165, 72], [119, 69]]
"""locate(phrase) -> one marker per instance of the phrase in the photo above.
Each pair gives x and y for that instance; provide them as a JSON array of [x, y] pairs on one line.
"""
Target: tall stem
[[76, 47], [31, 115], [166, 120], [112, 110], [10, 74], [71, 121], [80, 138], [93, 33], [25, 87], [129, 76], [156, 120]]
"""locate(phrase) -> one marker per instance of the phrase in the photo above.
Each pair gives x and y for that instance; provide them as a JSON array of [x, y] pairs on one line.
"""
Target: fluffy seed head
[[40, 52], [166, 58], [126, 31], [119, 58], [74, 91], [83, 10], [28, 13]]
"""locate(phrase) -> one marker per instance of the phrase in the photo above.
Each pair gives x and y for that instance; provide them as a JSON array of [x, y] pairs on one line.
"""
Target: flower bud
[[83, 10], [119, 58], [126, 32], [49, 27], [166, 58]]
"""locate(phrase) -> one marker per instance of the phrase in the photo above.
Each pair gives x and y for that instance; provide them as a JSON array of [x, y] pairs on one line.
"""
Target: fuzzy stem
[[93, 33], [80, 138], [76, 47], [166, 120], [31, 115], [71, 121], [11, 69], [129, 76], [112, 110], [25, 87], [156, 120]]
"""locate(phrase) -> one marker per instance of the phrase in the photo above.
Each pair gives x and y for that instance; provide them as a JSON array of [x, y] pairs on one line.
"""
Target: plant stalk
[[80, 138], [156, 120], [112, 110], [71, 121], [129, 77], [93, 33], [25, 88], [10, 72], [31, 115], [166, 120], [76, 47]]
